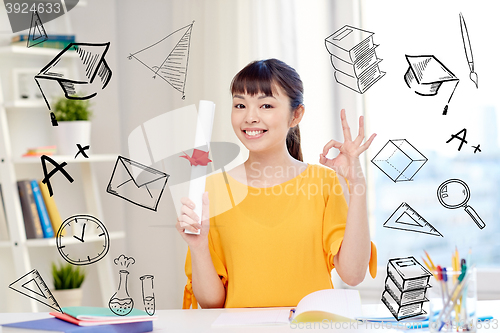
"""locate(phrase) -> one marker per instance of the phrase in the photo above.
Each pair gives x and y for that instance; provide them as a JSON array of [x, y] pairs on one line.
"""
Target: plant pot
[[68, 297], [69, 133]]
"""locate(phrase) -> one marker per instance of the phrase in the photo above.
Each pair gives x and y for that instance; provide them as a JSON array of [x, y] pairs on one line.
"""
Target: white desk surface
[[200, 320]]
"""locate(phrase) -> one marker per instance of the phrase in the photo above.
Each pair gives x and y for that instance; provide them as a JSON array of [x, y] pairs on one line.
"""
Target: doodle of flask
[[121, 303]]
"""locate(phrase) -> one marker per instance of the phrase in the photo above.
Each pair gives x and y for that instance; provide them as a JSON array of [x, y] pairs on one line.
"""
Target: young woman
[[293, 227]]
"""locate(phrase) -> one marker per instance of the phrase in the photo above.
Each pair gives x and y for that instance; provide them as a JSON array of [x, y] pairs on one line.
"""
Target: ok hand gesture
[[347, 162]]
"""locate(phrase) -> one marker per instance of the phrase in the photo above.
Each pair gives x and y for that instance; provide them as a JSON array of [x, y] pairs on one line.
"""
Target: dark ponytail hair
[[260, 77]]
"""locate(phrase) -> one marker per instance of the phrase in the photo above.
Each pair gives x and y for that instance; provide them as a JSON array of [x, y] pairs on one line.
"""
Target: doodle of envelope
[[92, 74], [134, 181]]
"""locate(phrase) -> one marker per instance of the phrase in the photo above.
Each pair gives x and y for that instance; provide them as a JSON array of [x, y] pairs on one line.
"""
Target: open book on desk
[[328, 304]]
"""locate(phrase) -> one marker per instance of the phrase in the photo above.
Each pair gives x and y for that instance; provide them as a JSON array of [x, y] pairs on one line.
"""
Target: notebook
[[57, 325], [90, 313], [116, 320]]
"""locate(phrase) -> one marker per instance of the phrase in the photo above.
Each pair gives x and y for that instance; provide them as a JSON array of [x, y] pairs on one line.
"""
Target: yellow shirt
[[276, 245]]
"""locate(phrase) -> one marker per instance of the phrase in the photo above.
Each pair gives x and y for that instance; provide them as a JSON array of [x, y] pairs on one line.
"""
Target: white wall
[[226, 36]]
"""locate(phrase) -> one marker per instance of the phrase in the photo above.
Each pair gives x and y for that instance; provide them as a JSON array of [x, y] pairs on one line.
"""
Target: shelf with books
[[19, 130], [49, 242], [68, 159], [32, 51]]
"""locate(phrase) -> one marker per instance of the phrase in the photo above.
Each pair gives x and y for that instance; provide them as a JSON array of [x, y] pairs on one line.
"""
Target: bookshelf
[[38, 51], [40, 242], [68, 159], [22, 249]]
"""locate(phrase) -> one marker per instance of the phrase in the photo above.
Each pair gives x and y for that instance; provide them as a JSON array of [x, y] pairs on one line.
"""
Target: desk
[[200, 320]]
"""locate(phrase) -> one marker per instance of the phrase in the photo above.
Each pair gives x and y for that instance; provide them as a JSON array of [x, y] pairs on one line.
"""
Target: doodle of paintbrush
[[468, 50]]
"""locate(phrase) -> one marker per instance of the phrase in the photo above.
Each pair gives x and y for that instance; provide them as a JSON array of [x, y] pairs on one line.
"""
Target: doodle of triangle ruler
[[32, 285], [173, 67], [406, 218], [37, 32]]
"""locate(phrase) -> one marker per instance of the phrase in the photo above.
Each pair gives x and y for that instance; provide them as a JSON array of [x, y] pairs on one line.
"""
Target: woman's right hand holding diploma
[[207, 285], [188, 220]]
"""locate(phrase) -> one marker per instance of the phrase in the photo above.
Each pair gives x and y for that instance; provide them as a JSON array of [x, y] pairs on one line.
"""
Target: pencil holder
[[452, 301]]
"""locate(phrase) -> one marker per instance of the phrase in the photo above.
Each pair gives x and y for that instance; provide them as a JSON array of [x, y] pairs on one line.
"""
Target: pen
[[439, 278], [292, 313], [445, 282], [467, 262], [463, 298]]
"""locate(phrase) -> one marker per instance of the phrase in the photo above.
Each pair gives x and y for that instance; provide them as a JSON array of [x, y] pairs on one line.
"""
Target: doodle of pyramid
[[173, 67], [37, 32]]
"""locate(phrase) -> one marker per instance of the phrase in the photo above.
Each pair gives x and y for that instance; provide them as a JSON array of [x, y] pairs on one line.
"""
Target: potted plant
[[68, 280], [73, 118]]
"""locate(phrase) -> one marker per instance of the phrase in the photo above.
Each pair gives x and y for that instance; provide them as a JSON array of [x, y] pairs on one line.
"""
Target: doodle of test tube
[[148, 295]]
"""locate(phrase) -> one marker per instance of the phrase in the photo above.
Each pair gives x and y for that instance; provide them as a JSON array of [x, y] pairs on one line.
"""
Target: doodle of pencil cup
[[452, 302], [121, 303], [148, 295]]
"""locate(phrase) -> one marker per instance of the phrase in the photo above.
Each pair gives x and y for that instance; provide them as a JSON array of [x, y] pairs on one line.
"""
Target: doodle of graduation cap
[[426, 74], [92, 73], [164, 143]]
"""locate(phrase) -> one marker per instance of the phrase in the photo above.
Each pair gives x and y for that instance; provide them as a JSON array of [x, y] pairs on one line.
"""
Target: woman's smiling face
[[261, 121]]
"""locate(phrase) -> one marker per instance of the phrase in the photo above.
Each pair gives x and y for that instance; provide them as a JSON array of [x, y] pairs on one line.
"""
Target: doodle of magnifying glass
[[454, 193]]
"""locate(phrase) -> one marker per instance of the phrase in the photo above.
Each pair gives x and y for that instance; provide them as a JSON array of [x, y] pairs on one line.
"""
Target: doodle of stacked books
[[405, 286], [352, 54]]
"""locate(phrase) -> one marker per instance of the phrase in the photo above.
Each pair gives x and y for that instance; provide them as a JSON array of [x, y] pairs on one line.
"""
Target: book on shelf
[[60, 45], [4, 231], [39, 151], [60, 38], [32, 223], [58, 325], [50, 204], [43, 215]]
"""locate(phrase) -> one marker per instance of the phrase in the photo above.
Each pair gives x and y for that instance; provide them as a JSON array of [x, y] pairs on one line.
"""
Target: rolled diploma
[[204, 125]]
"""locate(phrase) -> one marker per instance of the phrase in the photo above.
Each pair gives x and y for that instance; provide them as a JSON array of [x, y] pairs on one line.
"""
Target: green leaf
[[67, 276], [72, 109]]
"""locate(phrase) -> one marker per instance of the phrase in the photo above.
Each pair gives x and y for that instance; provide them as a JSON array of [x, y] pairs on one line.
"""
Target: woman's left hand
[[346, 163]]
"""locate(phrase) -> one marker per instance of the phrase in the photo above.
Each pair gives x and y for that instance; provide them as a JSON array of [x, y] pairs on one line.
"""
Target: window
[[394, 111]]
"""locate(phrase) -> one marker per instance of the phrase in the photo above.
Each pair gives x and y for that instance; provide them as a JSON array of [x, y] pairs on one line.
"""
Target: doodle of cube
[[399, 160]]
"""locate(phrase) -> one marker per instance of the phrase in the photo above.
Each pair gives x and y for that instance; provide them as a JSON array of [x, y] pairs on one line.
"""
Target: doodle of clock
[[84, 227]]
